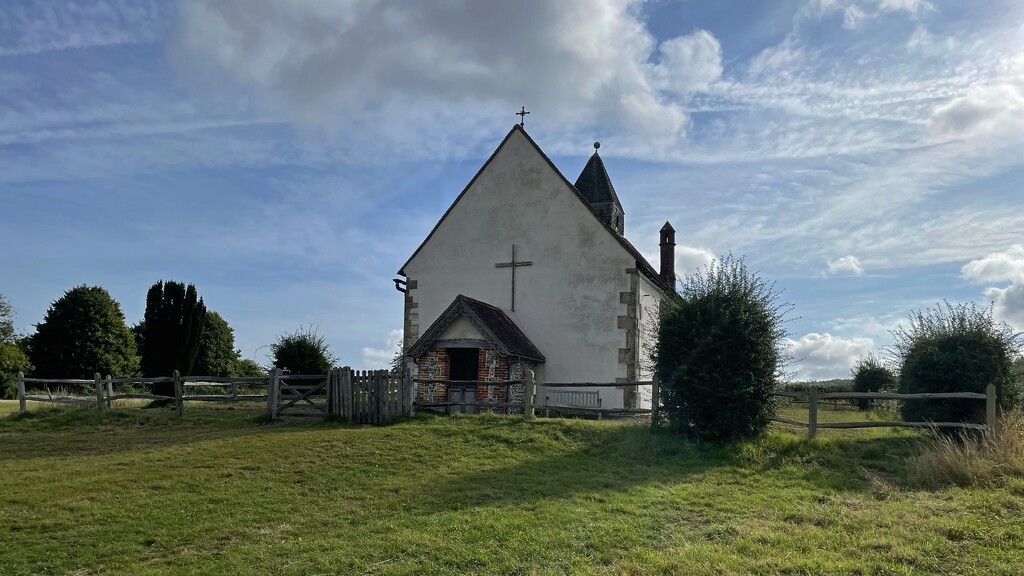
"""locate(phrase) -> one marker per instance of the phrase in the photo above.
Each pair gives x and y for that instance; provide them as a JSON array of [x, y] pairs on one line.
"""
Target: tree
[[870, 375], [13, 358], [720, 353], [955, 348], [216, 347], [304, 352], [6, 320], [246, 368], [83, 332], [172, 329], [139, 333]]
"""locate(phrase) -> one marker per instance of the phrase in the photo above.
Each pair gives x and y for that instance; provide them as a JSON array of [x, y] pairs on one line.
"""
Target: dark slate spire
[[594, 184]]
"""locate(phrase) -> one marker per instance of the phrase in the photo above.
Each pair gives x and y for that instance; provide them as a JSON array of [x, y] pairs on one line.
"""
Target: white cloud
[[1007, 265], [1008, 303], [326, 62], [847, 264], [855, 11], [690, 259], [824, 356], [689, 63], [997, 267], [380, 358], [981, 110]]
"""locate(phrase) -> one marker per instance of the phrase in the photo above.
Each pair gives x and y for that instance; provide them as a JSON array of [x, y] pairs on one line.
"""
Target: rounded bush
[[955, 348], [719, 353], [304, 352], [870, 375]]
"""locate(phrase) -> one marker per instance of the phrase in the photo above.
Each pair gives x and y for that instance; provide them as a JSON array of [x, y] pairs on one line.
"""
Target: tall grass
[[971, 459]]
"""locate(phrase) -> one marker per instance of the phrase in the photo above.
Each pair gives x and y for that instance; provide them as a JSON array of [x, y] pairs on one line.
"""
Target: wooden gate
[[369, 396], [298, 394]]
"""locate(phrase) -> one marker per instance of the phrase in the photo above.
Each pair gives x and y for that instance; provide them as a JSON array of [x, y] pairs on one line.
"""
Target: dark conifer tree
[[174, 320]]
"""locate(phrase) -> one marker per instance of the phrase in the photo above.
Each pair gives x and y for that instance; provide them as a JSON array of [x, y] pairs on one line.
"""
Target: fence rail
[[105, 395], [812, 396], [539, 395]]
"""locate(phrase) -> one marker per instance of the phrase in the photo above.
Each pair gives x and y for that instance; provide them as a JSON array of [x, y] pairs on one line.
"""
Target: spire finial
[[596, 145]]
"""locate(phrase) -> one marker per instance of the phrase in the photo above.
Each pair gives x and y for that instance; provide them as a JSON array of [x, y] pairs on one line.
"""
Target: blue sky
[[865, 155]]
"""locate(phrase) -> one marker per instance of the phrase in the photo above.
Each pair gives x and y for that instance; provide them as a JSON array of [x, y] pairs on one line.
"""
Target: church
[[527, 270]]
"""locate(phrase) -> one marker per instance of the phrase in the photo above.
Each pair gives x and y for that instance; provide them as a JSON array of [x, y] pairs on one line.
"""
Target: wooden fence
[[369, 396], [105, 391], [360, 396], [547, 396], [813, 397]]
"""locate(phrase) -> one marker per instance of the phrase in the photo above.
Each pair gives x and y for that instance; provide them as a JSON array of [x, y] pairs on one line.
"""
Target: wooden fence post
[[812, 411], [22, 406], [270, 393], [273, 392], [98, 382], [531, 393], [110, 391], [179, 391], [990, 409], [655, 400]]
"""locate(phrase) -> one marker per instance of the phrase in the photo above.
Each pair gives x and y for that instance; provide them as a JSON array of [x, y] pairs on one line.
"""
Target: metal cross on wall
[[513, 265]]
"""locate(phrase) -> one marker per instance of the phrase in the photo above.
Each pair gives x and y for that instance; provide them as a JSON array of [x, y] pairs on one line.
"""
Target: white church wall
[[567, 301], [649, 299], [460, 329]]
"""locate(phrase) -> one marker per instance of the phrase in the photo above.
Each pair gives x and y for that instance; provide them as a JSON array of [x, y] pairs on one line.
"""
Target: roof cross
[[522, 116], [513, 265]]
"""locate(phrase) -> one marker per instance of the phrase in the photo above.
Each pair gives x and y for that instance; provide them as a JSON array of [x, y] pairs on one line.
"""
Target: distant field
[[222, 491]]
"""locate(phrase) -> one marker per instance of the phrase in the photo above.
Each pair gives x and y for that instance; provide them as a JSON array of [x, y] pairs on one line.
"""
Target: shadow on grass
[[618, 459], [81, 431]]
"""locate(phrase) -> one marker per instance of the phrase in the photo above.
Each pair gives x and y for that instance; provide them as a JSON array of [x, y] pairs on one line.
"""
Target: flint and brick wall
[[491, 367]]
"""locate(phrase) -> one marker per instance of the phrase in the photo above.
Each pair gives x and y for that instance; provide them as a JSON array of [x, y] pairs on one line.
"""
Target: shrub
[[955, 348], [870, 375], [246, 368], [834, 385], [719, 353], [304, 352], [82, 333], [967, 459]]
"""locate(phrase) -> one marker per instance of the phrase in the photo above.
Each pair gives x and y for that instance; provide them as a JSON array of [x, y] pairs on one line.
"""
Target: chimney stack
[[668, 254]]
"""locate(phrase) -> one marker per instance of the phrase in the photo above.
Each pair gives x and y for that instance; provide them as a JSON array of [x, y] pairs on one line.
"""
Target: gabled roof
[[594, 183], [642, 264], [493, 324]]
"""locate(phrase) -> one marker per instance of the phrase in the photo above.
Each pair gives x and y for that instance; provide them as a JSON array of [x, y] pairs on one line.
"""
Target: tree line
[[85, 332]]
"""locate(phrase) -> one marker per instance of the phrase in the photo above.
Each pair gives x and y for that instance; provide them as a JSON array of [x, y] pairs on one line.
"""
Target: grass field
[[224, 492]]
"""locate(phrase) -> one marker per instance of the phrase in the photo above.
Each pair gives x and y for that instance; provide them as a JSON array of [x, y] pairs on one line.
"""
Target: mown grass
[[226, 492]]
